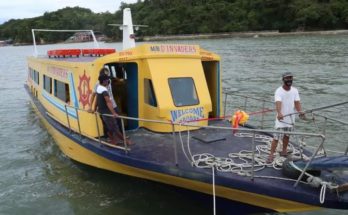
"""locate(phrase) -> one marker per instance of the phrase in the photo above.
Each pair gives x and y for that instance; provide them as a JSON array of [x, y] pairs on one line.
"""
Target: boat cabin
[[160, 82]]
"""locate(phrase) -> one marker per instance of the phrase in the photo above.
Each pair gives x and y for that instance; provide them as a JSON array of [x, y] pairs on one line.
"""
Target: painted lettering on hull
[[174, 49], [58, 72], [187, 115]]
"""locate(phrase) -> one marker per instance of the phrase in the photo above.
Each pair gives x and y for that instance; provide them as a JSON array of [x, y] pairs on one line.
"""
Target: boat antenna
[[128, 40], [96, 45]]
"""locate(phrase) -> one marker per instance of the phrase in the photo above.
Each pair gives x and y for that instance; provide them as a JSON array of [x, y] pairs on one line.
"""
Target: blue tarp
[[335, 162]]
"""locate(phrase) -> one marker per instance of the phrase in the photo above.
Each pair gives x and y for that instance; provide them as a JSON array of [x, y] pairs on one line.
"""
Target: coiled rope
[[227, 164]]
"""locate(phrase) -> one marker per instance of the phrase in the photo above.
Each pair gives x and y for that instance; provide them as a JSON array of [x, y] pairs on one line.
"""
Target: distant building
[[86, 37], [6, 42]]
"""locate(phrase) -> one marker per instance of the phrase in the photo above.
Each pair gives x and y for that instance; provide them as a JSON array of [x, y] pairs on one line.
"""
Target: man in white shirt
[[92, 108], [287, 102], [109, 88], [106, 108]]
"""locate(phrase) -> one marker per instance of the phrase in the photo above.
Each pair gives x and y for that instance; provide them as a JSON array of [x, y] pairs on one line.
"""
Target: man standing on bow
[[287, 101]]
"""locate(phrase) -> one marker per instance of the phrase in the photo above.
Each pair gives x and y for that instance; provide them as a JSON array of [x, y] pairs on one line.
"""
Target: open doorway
[[124, 82], [212, 76]]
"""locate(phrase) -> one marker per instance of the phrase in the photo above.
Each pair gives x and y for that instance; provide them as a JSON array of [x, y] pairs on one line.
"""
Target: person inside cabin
[[120, 86], [111, 96], [105, 108], [120, 72], [287, 102]]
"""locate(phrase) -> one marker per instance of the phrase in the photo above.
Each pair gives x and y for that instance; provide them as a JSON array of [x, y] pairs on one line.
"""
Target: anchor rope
[[244, 167], [317, 182]]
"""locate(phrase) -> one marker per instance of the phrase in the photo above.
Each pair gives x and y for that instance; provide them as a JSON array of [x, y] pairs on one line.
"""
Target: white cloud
[[19, 9]]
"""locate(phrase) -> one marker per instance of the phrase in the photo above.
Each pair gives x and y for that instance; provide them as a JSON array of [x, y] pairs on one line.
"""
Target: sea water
[[36, 178]]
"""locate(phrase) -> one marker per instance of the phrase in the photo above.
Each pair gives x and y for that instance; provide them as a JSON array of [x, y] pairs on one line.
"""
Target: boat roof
[[138, 52], [71, 59]]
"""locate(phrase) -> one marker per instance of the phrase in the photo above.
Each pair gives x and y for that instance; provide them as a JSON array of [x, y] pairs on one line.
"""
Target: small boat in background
[[173, 108]]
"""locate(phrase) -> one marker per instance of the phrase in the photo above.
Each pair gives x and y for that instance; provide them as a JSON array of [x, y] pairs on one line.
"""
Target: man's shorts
[[278, 136], [111, 124]]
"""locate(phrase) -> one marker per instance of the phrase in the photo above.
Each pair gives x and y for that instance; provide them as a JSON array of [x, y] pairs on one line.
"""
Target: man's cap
[[287, 74], [104, 71], [103, 77]]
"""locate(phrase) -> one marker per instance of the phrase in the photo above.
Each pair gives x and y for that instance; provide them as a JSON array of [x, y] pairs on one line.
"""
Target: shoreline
[[254, 34], [249, 34]]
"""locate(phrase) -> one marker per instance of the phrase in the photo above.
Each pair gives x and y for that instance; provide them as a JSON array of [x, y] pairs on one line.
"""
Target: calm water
[[36, 178]]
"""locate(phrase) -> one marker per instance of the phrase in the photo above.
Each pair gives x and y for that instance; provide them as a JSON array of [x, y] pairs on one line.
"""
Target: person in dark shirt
[[105, 106]]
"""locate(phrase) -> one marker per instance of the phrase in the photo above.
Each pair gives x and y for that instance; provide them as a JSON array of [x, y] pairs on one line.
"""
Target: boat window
[[113, 71], [31, 73], [61, 91], [36, 78], [149, 93], [117, 70], [47, 84], [183, 91], [34, 75]]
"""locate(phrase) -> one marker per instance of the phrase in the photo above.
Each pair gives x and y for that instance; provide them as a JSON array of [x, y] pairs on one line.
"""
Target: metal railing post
[[225, 104], [253, 156], [78, 121], [245, 103], [310, 160], [67, 117], [124, 136], [96, 121], [324, 133], [174, 145], [263, 114]]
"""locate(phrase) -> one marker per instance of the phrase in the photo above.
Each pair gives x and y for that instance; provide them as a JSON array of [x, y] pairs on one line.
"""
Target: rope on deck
[[244, 168]]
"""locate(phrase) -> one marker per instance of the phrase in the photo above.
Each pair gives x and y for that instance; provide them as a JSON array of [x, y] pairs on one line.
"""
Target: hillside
[[171, 17]]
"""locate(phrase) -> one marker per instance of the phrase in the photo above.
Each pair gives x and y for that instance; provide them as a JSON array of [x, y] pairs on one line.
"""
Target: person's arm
[[298, 106], [299, 109], [279, 110], [109, 104], [91, 103]]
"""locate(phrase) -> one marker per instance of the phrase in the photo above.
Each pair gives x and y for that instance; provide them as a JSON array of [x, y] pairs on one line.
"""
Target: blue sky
[[19, 9]]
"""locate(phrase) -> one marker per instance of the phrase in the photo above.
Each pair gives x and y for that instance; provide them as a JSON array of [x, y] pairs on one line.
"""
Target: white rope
[[244, 157], [183, 148], [323, 192], [324, 185], [244, 166], [188, 142]]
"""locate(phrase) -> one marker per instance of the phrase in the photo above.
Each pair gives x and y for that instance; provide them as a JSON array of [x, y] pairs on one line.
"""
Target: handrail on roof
[[96, 45]]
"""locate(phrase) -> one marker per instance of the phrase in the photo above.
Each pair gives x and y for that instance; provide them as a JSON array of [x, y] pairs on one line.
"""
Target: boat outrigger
[[171, 103]]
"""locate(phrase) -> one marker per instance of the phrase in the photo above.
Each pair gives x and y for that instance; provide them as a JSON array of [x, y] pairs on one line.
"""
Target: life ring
[[239, 118]]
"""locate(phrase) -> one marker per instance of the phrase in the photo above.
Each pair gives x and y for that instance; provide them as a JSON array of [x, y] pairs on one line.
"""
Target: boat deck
[[158, 149], [154, 152]]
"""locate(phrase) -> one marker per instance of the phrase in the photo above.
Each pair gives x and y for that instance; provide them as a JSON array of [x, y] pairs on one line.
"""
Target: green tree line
[[170, 17]]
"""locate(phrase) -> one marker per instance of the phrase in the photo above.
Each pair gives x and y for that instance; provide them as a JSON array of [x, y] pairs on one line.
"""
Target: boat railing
[[175, 131], [258, 107], [95, 42], [262, 115], [253, 132]]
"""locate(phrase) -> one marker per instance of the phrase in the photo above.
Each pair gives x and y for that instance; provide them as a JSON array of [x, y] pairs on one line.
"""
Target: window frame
[[194, 87], [149, 91], [45, 78], [66, 91]]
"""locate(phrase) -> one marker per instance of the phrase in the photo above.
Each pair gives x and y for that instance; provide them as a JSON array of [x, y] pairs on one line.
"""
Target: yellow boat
[[166, 93]]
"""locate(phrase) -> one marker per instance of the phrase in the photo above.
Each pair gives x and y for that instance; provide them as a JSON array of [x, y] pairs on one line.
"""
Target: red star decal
[[84, 89]]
